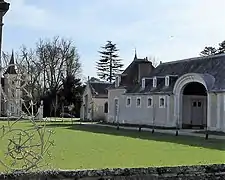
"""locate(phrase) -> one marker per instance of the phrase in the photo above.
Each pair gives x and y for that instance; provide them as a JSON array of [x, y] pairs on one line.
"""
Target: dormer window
[[154, 82], [143, 83], [167, 81], [117, 81]]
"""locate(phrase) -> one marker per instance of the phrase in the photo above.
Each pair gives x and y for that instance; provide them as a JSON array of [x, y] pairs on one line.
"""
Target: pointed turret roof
[[135, 55], [11, 69]]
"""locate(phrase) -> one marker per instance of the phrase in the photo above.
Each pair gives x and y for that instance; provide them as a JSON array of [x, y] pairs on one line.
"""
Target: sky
[[167, 30]]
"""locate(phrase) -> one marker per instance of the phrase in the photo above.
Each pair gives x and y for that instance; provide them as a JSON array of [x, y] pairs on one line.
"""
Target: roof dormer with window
[[117, 81], [167, 81], [143, 83], [154, 82]]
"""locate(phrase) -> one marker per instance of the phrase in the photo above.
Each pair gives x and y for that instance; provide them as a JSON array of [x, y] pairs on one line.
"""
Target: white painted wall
[[165, 116], [87, 92], [217, 113], [14, 105], [99, 113], [142, 114], [112, 94], [95, 106]]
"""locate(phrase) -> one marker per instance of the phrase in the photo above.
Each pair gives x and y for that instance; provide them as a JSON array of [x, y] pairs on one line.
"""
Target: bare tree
[[154, 60], [47, 66], [59, 58], [32, 66]]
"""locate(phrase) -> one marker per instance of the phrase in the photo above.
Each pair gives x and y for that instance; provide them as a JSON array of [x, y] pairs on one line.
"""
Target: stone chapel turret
[[13, 104]]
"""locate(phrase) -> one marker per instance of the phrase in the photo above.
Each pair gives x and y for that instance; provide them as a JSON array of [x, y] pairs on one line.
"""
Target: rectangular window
[[194, 104], [128, 102], [117, 81], [162, 102], [167, 81], [143, 83], [138, 102], [149, 102], [154, 82]]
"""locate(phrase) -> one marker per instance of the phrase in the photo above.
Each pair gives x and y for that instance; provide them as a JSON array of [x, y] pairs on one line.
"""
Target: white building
[[188, 93], [95, 101], [11, 102]]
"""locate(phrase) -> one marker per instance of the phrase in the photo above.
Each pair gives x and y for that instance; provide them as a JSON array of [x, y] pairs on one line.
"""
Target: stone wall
[[181, 172]]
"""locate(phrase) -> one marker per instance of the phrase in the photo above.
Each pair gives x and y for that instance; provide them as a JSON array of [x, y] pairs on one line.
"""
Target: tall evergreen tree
[[221, 48], [109, 64], [208, 51]]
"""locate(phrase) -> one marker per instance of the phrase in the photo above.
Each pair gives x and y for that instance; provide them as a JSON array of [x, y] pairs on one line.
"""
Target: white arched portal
[[178, 94]]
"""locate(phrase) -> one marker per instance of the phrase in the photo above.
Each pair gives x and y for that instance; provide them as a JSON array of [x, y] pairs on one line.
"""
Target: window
[[117, 81], [138, 102], [161, 102], [143, 83], [106, 107], [194, 104], [167, 81], [128, 103], [149, 102], [154, 82]]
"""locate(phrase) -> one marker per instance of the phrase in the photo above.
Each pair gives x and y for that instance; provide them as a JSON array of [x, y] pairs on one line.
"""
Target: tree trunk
[[110, 69]]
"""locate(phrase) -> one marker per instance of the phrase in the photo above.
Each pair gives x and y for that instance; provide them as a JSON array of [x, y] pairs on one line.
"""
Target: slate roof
[[11, 69], [99, 89], [211, 68], [130, 74]]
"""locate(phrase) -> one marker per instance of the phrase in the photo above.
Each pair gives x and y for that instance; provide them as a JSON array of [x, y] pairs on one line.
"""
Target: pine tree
[[208, 51], [221, 48], [109, 64]]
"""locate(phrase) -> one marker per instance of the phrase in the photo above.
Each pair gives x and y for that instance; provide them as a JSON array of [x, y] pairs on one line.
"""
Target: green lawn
[[84, 146]]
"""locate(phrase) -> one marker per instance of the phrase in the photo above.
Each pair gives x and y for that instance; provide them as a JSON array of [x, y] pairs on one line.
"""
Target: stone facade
[[203, 172]]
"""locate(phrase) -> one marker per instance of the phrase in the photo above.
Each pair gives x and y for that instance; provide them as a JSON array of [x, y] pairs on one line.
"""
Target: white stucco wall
[[95, 106], [176, 109], [14, 105], [112, 94], [217, 112], [143, 115], [99, 113], [87, 92]]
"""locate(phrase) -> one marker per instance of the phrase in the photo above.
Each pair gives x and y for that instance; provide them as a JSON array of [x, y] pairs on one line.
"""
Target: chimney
[[144, 69]]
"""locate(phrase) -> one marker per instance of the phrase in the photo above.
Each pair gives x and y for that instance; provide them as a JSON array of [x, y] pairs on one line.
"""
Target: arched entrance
[[194, 102], [190, 101]]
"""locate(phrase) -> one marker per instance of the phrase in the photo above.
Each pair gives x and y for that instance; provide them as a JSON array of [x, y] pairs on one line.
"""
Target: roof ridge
[[100, 82], [194, 58]]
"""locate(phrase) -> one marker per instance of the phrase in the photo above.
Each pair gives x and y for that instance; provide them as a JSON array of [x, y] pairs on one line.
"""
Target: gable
[[99, 89]]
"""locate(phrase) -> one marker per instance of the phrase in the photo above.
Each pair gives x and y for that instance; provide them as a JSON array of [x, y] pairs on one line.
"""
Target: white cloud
[[23, 14]]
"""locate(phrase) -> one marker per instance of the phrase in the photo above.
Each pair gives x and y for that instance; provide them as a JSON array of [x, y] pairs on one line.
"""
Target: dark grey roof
[[130, 74], [11, 69], [99, 89], [211, 68]]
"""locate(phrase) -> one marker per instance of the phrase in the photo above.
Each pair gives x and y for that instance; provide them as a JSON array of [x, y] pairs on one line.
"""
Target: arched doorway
[[194, 105], [191, 90]]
